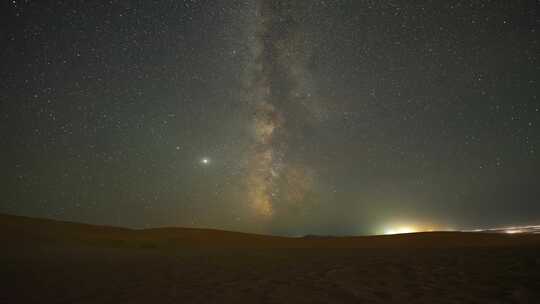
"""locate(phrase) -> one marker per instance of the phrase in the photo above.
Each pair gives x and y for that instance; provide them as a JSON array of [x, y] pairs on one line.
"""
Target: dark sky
[[282, 117]]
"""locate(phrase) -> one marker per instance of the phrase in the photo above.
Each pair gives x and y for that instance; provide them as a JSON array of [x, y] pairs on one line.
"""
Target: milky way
[[275, 82]]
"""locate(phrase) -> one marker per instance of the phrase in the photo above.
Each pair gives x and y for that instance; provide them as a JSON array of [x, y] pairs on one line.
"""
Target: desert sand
[[46, 261]]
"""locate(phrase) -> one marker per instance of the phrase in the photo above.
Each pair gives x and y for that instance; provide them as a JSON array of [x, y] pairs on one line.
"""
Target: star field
[[283, 117]]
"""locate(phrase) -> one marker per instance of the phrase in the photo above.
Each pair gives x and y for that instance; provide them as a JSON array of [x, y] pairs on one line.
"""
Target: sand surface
[[45, 261]]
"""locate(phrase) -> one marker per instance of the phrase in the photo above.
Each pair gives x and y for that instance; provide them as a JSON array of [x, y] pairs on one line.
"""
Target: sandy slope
[[45, 261]]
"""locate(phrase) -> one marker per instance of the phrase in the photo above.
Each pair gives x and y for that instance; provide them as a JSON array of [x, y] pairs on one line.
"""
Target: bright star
[[205, 161]]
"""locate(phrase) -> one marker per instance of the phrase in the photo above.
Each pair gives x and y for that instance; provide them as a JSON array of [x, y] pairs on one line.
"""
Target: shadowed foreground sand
[[44, 261]]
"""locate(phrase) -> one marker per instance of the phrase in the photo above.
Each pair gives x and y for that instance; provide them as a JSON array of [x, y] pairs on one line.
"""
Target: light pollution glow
[[511, 229], [400, 230], [410, 226]]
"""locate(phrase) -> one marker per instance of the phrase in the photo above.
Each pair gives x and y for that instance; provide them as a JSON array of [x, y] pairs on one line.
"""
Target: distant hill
[[25, 230]]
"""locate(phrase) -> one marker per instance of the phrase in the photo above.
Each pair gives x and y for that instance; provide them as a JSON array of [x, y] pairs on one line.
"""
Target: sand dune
[[45, 261]]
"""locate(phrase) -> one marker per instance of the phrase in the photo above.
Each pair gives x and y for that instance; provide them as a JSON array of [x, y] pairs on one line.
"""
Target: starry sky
[[277, 117]]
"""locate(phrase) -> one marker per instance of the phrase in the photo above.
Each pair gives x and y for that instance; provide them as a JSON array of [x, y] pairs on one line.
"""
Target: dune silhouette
[[63, 262]]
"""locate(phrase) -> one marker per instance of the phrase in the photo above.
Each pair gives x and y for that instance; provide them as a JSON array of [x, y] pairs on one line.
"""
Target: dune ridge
[[26, 229], [47, 261]]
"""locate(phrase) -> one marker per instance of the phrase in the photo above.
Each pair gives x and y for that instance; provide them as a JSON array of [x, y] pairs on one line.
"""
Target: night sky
[[277, 117]]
